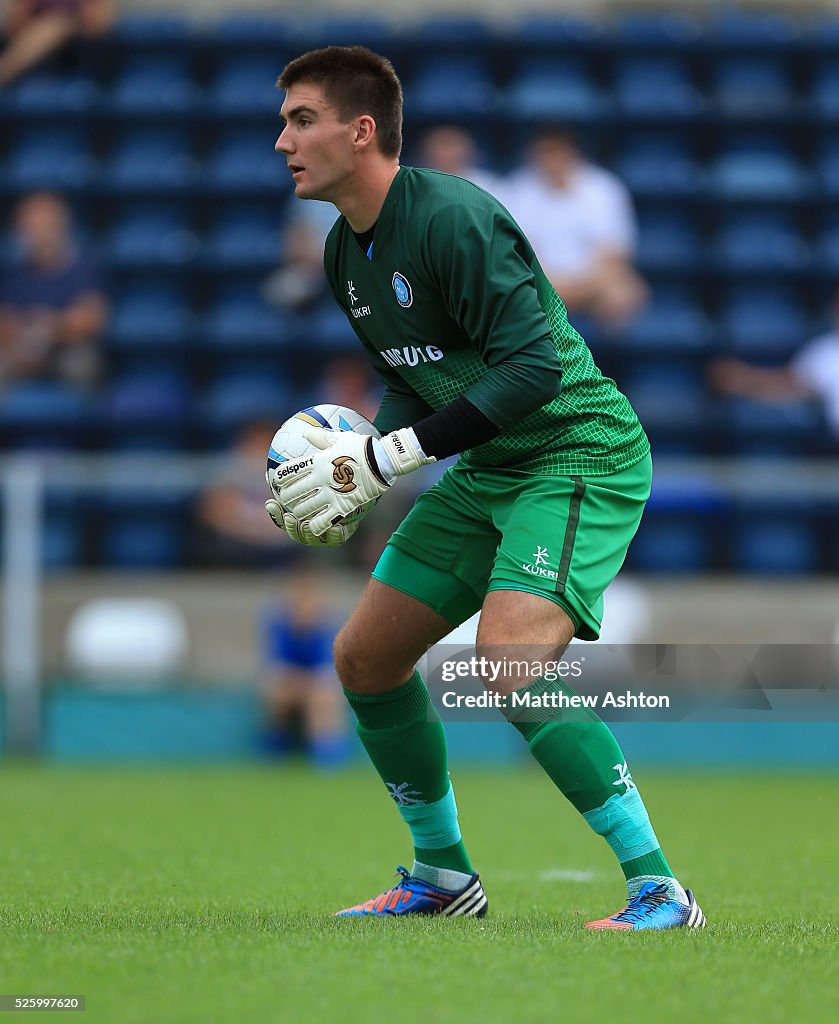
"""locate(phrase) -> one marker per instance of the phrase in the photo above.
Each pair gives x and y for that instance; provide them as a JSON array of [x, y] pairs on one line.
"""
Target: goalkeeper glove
[[301, 532]]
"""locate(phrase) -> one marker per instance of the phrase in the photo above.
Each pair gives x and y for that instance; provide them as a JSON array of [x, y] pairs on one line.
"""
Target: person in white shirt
[[451, 149], [813, 372], [580, 220]]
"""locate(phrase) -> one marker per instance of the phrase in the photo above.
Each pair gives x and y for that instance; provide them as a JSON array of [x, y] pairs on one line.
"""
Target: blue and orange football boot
[[413, 896], [652, 908]]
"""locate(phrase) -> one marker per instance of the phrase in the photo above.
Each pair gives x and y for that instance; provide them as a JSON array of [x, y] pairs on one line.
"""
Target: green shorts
[[478, 530]]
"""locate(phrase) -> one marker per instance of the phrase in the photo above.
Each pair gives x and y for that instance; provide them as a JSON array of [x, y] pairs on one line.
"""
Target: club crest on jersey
[[404, 295]]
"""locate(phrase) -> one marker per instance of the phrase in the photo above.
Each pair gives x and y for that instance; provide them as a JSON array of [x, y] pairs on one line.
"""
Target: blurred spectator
[[52, 308], [36, 29], [233, 529], [348, 381], [813, 373], [580, 220], [302, 694], [453, 150], [300, 283]]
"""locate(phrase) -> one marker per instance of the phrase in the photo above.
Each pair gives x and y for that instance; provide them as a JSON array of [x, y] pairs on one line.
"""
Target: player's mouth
[[295, 169]]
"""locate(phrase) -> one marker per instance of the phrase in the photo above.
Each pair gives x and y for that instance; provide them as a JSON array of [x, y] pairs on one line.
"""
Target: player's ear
[[365, 129]]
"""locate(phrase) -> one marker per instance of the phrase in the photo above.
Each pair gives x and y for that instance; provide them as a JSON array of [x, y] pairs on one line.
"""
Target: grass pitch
[[204, 895]]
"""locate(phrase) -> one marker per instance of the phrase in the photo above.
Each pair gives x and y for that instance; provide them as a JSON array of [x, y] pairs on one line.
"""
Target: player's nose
[[282, 144]]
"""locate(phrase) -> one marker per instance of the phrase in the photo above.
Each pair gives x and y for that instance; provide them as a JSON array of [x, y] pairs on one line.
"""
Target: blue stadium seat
[[147, 541], [439, 78], [827, 164], [343, 30], [152, 161], [158, 85], [668, 395], [758, 170], [237, 399], [761, 242], [149, 316], [142, 400], [672, 545], [753, 86], [44, 407], [244, 239], [153, 32], [245, 162], [825, 91], [245, 85], [240, 318], [773, 428], [754, 30], [447, 30], [656, 87], [763, 322], [668, 240], [150, 236], [62, 539], [663, 30], [555, 88], [54, 95], [659, 166], [250, 32], [772, 545], [557, 31], [828, 246], [673, 324], [59, 159]]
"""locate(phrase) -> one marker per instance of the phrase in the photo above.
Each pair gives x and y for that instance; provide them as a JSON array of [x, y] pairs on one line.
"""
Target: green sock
[[404, 738], [581, 756]]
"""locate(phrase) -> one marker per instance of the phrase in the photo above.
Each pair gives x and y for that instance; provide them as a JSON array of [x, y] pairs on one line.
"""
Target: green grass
[[204, 895]]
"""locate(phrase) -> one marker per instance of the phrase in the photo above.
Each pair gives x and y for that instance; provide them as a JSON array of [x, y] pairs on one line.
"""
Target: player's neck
[[363, 202]]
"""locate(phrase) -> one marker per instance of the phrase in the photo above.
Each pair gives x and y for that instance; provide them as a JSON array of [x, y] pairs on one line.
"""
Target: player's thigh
[[566, 538], [522, 632], [442, 553], [384, 638]]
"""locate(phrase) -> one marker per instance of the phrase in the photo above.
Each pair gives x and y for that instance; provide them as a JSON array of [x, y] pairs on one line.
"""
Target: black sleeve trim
[[454, 428]]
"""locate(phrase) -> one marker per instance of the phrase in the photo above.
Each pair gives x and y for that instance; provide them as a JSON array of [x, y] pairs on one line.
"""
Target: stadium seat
[[663, 30], [673, 323], [151, 161], [827, 165], [828, 247], [158, 85], [668, 395], [43, 407], [245, 162], [752, 86], [825, 91], [469, 78], [143, 400], [673, 544], [557, 31], [761, 242], [56, 96], [59, 160], [145, 237], [668, 240], [760, 170], [244, 240], [237, 399], [153, 32], [774, 545], [249, 32], [147, 541], [652, 87], [659, 166], [773, 428], [343, 30], [555, 89], [241, 319], [245, 85], [150, 316], [447, 30], [763, 323], [753, 30]]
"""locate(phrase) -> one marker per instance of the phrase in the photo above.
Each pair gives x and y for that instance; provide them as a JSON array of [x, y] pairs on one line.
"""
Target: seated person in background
[[580, 220], [812, 373], [52, 307], [231, 511], [299, 283], [36, 29], [453, 150], [301, 694]]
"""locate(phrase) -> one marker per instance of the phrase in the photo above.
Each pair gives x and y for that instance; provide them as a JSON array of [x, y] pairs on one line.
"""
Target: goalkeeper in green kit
[[530, 525]]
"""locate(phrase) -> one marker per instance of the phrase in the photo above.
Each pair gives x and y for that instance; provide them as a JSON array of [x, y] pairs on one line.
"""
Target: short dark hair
[[355, 81]]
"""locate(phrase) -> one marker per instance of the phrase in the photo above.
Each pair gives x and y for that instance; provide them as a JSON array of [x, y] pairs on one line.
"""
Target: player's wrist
[[399, 452]]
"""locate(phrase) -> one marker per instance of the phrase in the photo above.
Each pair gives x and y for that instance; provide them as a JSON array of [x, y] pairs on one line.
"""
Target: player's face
[[317, 146]]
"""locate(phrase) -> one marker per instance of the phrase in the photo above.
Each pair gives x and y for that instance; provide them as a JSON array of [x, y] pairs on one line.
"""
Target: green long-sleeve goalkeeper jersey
[[451, 289]]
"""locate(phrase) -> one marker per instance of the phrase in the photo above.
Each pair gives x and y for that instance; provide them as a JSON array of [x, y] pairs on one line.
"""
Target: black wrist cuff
[[454, 428]]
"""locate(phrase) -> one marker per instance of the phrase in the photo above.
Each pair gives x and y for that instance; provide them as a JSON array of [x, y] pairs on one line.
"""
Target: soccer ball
[[289, 443]]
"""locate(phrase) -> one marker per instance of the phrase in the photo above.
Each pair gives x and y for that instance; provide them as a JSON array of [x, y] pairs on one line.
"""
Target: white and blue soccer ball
[[289, 444]]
